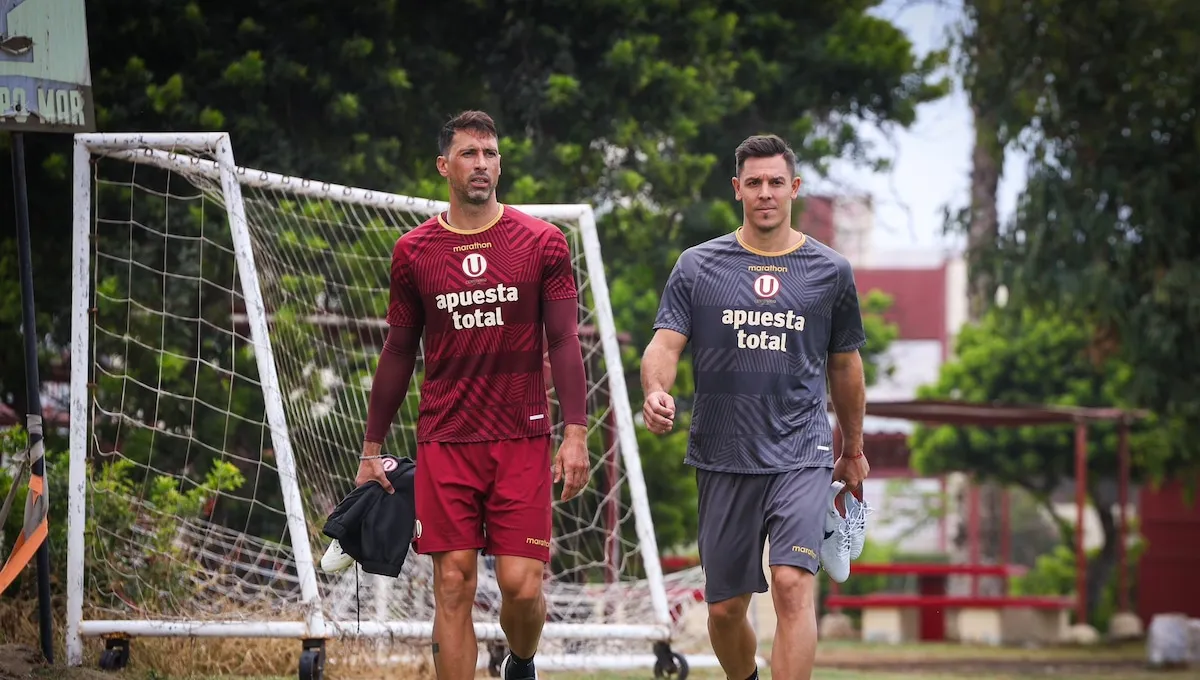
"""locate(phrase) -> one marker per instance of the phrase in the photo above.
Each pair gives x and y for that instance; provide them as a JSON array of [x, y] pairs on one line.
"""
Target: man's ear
[[442, 168], [737, 188]]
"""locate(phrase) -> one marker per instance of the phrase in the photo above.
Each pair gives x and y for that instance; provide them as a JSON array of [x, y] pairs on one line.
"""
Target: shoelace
[[855, 522]]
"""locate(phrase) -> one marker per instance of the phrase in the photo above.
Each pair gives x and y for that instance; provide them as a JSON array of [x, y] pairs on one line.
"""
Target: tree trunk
[[1100, 569], [987, 159], [982, 231]]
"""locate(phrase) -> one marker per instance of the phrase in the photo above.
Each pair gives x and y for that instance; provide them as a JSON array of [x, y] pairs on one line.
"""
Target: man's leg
[[731, 546], [518, 516], [732, 637], [795, 522], [455, 649], [523, 605], [795, 648], [448, 493]]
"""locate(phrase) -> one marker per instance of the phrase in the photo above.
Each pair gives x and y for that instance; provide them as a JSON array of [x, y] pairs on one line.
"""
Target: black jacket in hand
[[375, 527]]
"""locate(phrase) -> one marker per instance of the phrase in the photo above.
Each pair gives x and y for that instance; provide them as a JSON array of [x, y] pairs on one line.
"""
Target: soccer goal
[[226, 325]]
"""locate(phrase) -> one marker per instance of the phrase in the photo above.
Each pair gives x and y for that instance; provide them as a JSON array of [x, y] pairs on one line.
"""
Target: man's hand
[[371, 470], [852, 468], [659, 412], [572, 465]]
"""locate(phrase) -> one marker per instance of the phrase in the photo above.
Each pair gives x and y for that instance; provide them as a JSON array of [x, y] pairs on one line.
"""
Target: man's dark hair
[[477, 121], [765, 146]]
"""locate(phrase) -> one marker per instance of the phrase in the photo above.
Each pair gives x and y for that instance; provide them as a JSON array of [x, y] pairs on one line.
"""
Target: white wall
[[853, 227]]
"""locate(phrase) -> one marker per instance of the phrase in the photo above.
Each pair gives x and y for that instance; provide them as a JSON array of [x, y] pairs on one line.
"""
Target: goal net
[[227, 324]]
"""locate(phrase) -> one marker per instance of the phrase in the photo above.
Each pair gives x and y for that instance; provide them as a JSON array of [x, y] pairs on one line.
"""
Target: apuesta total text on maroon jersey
[[478, 295]]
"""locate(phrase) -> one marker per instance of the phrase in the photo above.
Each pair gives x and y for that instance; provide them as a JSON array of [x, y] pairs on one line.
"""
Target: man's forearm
[[570, 384], [390, 384], [566, 364], [848, 392], [659, 366]]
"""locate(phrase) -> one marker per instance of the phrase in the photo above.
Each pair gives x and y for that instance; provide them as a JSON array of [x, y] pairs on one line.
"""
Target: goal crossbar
[[152, 150]]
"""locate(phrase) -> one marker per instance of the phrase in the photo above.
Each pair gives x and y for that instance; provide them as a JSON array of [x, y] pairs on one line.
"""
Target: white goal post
[[225, 322]]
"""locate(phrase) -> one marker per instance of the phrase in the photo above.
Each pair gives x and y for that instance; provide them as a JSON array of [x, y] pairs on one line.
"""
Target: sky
[[931, 159]]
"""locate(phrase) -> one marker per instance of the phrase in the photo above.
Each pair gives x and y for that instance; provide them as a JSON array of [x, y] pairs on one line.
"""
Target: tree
[[880, 334], [993, 73], [628, 105], [1023, 356], [1106, 109]]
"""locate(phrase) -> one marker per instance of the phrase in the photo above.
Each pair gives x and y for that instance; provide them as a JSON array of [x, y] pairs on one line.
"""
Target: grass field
[[836, 661]]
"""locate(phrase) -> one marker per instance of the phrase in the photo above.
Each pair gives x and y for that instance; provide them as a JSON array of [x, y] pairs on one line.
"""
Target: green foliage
[[1025, 356], [635, 107], [1021, 356], [667, 477], [1053, 574], [880, 334], [116, 504], [1103, 99]]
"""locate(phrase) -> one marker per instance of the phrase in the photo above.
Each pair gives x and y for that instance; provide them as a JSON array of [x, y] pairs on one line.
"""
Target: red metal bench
[[931, 599], [980, 619]]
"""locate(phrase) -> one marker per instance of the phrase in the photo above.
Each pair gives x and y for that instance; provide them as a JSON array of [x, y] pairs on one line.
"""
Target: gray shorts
[[737, 512]]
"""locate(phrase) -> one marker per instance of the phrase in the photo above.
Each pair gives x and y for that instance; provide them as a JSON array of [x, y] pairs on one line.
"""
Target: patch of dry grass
[[355, 659]]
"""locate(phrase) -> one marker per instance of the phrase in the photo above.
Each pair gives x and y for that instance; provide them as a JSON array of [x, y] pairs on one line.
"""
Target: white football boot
[[835, 548], [335, 559]]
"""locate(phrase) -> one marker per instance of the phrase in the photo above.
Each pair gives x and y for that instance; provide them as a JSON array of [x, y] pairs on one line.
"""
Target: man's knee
[[793, 589], [730, 612], [454, 575], [519, 578]]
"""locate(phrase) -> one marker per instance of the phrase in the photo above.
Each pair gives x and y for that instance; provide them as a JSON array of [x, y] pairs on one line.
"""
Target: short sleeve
[[846, 331], [558, 276], [675, 308], [404, 303]]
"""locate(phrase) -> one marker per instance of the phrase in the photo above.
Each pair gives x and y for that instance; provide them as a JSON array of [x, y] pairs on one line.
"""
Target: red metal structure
[[937, 412]]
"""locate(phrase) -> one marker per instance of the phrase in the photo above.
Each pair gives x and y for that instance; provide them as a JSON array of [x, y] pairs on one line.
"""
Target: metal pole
[[1123, 499], [33, 381], [1081, 495]]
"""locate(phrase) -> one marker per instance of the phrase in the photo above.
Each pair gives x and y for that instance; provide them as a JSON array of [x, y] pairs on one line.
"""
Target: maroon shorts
[[493, 496]]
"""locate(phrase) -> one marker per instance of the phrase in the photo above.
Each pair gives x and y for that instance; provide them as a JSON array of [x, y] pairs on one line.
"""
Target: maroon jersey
[[478, 295]]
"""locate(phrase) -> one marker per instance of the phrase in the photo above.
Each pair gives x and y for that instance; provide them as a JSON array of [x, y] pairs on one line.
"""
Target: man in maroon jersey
[[483, 281]]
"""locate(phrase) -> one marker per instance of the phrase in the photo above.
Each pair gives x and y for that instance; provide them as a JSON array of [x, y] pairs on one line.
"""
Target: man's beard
[[473, 195]]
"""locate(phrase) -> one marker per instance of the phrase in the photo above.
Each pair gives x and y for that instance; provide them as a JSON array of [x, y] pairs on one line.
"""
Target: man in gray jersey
[[771, 314]]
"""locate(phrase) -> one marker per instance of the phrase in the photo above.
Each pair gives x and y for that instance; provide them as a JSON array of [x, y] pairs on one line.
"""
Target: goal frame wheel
[[496, 653], [115, 656], [669, 664], [312, 660]]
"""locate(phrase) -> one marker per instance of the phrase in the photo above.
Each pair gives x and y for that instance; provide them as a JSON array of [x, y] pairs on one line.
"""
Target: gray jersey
[[761, 328]]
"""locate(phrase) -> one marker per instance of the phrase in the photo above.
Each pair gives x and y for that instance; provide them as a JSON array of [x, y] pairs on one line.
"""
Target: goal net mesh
[[185, 511]]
